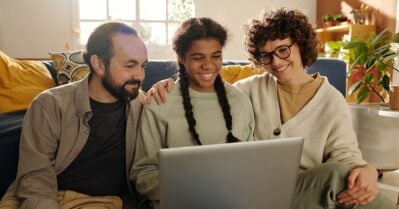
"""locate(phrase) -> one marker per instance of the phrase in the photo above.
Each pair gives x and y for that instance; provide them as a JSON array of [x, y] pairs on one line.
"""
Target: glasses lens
[[283, 52], [266, 58]]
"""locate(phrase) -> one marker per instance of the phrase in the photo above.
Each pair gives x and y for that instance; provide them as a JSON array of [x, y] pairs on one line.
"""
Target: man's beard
[[119, 91]]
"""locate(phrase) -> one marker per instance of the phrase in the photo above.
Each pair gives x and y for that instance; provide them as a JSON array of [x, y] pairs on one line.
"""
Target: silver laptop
[[245, 175]]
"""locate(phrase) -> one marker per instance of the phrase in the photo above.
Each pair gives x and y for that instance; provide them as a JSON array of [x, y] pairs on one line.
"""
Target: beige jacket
[[55, 130]]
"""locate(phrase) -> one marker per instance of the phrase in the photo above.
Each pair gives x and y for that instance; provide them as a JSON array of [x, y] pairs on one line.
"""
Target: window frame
[[155, 51]]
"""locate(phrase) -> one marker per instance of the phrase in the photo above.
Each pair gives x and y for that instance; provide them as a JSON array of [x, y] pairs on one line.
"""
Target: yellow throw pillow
[[233, 73], [20, 82], [70, 66]]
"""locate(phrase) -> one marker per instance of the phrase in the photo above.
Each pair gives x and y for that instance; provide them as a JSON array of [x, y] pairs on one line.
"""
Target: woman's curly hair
[[281, 24]]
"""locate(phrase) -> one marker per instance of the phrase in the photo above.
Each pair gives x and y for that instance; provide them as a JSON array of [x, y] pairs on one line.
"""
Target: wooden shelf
[[333, 29], [336, 33]]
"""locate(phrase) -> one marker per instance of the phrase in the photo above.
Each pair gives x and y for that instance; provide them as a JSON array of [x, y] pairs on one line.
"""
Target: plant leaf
[[389, 57], [358, 61], [354, 87], [363, 94], [380, 67], [380, 37], [384, 82], [354, 44], [395, 38], [382, 49], [370, 62], [368, 77]]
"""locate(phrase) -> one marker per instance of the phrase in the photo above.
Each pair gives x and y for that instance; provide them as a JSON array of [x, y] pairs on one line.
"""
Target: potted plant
[[371, 63], [328, 20], [340, 18]]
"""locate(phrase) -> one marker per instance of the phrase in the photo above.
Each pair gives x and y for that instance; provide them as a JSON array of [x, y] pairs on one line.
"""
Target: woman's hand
[[362, 186], [157, 91]]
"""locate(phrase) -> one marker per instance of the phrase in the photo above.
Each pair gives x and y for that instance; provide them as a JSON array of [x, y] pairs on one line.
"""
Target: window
[[155, 20]]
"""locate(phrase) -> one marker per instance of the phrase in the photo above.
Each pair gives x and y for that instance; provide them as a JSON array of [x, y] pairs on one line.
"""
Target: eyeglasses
[[282, 52]]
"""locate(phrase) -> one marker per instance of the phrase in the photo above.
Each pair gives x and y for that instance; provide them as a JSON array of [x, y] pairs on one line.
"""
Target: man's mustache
[[133, 82]]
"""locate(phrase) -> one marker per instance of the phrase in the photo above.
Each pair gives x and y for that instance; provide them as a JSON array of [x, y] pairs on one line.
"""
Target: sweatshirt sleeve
[[145, 170]]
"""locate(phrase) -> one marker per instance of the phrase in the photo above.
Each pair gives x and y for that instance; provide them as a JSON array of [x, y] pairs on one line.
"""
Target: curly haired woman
[[292, 102]]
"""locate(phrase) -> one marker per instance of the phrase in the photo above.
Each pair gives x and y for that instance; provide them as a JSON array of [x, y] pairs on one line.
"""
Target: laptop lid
[[245, 175]]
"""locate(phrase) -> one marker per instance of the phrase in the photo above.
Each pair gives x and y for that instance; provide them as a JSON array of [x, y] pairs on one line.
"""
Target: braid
[[224, 104], [188, 107]]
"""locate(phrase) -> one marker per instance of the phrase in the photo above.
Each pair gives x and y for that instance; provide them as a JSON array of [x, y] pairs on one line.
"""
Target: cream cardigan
[[324, 122]]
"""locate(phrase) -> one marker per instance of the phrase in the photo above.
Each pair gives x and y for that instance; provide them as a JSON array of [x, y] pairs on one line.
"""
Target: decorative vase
[[377, 135]]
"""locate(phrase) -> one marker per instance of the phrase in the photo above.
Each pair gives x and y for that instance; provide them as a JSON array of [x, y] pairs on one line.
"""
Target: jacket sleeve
[[145, 170], [36, 176]]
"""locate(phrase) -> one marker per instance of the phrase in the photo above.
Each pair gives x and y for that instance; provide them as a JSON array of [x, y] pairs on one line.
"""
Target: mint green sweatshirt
[[165, 126]]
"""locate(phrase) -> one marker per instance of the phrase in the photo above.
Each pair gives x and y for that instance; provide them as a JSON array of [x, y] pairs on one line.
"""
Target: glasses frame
[[262, 54]]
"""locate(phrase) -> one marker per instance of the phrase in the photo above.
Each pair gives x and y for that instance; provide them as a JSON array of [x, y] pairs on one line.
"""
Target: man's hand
[[362, 186], [157, 91]]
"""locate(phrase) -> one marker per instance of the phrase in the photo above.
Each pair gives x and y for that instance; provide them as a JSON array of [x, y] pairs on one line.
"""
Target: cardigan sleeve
[[341, 144]]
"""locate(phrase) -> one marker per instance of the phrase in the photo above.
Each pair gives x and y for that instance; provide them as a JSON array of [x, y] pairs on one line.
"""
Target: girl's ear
[[180, 59], [98, 65]]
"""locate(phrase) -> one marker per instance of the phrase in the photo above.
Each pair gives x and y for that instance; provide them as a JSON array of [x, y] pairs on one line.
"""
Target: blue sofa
[[11, 123]]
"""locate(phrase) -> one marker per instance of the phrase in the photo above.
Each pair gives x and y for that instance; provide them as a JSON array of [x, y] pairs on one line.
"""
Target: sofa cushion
[[20, 82], [233, 73], [70, 66]]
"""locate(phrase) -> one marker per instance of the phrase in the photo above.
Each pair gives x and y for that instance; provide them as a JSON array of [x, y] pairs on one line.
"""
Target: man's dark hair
[[100, 41]]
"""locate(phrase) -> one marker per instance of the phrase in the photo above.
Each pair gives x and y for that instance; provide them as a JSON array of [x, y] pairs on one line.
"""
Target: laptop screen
[[244, 175]]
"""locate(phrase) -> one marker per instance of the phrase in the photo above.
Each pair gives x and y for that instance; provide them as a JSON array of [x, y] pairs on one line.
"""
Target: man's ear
[[97, 64]]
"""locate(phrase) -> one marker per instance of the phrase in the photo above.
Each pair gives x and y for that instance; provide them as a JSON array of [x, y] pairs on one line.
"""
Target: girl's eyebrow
[[201, 54]]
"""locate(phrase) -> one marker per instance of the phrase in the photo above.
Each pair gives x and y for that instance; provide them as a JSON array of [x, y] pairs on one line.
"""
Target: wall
[[238, 13], [383, 11], [34, 28], [31, 29]]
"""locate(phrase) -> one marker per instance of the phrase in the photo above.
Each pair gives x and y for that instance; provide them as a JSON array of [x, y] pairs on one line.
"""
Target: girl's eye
[[197, 57]]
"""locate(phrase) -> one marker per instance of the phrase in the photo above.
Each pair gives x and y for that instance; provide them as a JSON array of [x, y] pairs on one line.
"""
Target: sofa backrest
[[333, 69]]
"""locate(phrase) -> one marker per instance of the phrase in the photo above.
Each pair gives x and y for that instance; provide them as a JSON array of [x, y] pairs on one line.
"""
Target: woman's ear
[[97, 64]]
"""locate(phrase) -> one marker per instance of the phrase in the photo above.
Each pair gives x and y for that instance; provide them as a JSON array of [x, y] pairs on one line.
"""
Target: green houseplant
[[328, 20], [371, 64]]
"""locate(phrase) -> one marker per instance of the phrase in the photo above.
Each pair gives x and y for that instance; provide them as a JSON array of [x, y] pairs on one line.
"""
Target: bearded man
[[77, 140]]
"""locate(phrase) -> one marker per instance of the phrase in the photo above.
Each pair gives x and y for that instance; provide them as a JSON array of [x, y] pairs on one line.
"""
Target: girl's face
[[203, 62], [282, 58]]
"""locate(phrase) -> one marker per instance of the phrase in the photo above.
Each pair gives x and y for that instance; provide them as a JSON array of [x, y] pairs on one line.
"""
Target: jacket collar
[[82, 100]]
